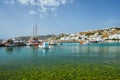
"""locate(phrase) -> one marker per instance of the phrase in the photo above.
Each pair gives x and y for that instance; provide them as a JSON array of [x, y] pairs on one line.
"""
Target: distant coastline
[[107, 35]]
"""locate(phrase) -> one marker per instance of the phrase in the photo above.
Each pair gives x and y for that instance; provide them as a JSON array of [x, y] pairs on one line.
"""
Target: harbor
[[59, 39], [108, 35], [69, 57], [69, 60], [87, 55]]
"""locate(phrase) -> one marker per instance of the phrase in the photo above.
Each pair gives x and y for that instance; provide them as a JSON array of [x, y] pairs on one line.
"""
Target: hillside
[[99, 35]]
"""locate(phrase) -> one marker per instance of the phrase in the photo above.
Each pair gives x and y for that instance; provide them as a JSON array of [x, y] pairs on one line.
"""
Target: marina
[[59, 39], [73, 56]]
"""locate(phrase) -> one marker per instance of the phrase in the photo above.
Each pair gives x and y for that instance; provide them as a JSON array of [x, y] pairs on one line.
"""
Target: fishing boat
[[9, 43]]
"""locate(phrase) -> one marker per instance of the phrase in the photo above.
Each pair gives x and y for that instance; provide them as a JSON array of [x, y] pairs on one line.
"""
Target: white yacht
[[44, 45]]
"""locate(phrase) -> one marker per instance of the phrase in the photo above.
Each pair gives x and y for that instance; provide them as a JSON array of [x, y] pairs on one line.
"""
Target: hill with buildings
[[92, 35], [108, 34]]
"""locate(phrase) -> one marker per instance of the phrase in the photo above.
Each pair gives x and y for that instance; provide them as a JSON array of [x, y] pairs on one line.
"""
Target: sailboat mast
[[36, 30], [33, 31]]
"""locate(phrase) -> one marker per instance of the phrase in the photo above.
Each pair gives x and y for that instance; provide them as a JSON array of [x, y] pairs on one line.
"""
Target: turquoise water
[[68, 53]]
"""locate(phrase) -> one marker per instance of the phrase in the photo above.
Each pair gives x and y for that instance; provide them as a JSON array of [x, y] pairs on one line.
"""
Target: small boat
[[59, 43], [1, 44], [29, 44], [19, 43], [44, 45], [9, 43], [52, 43], [94, 41], [83, 42]]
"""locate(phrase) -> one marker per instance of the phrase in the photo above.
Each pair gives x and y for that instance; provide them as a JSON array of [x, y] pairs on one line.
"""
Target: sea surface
[[13, 58]]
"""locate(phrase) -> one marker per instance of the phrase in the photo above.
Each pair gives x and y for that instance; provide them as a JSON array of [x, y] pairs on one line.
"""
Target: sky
[[17, 17]]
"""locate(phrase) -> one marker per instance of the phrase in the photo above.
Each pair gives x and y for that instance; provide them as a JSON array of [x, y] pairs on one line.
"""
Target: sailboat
[[52, 41], [34, 39], [39, 43]]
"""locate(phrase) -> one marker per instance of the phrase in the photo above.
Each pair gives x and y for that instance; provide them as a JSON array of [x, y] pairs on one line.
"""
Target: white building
[[115, 36]]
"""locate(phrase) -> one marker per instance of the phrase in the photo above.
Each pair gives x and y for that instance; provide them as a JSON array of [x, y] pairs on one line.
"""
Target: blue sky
[[17, 17]]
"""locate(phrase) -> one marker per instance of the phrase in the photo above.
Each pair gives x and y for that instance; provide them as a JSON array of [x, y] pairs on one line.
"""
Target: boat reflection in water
[[9, 50], [44, 45], [67, 53]]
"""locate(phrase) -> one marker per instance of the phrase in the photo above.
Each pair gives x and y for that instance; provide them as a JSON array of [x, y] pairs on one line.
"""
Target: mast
[[36, 30], [52, 33], [33, 31]]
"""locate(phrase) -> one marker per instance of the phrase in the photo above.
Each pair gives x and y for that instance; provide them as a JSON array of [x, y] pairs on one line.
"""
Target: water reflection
[[36, 51], [9, 49], [102, 52], [66, 52], [99, 49]]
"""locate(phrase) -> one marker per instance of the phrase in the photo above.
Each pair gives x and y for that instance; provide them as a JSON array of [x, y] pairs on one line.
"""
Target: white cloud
[[43, 15], [42, 6], [51, 3], [25, 2], [53, 9], [12, 1], [42, 10], [9, 1], [63, 1], [32, 12], [32, 2]]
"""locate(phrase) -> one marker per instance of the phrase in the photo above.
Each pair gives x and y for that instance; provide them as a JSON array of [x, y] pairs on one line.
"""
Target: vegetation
[[90, 33], [65, 72], [117, 28]]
